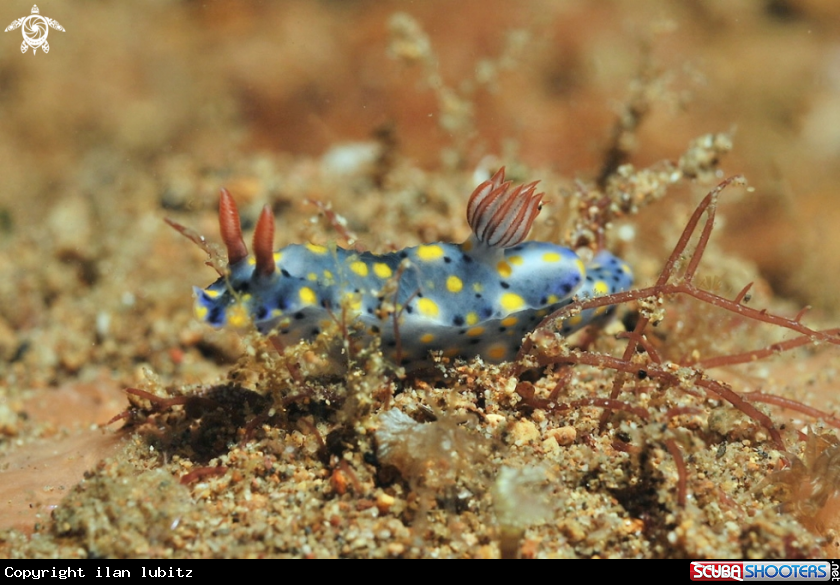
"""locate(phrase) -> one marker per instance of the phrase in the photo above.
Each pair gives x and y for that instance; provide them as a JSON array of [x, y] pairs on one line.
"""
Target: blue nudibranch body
[[476, 298]]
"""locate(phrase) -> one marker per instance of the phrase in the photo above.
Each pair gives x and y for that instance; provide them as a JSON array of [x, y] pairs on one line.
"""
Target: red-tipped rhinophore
[[230, 228], [264, 243], [499, 217]]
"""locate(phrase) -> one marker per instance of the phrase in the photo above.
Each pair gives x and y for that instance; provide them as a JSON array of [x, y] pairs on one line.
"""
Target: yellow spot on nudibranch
[[429, 252], [382, 270], [551, 257], [478, 287], [574, 321], [509, 321], [552, 299], [213, 294], [311, 276], [475, 331], [454, 284], [237, 316], [352, 301], [504, 269], [359, 268], [277, 257], [471, 319], [581, 268], [200, 312], [497, 352], [307, 296], [316, 249], [427, 338], [601, 288], [512, 301], [515, 260], [427, 307]]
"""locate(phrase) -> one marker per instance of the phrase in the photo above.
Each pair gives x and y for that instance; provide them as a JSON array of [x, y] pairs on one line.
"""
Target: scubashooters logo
[[35, 29], [763, 571]]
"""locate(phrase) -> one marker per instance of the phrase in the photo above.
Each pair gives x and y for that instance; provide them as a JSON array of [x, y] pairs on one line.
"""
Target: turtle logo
[[35, 30]]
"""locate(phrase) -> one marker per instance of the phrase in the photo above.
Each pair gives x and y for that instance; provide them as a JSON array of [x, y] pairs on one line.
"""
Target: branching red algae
[[538, 345]]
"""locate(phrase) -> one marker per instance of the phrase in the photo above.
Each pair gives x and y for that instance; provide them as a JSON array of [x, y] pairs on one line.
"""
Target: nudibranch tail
[[501, 218], [264, 243], [230, 228]]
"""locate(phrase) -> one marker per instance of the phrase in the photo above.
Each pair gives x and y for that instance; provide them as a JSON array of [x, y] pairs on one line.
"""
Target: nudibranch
[[476, 298]]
